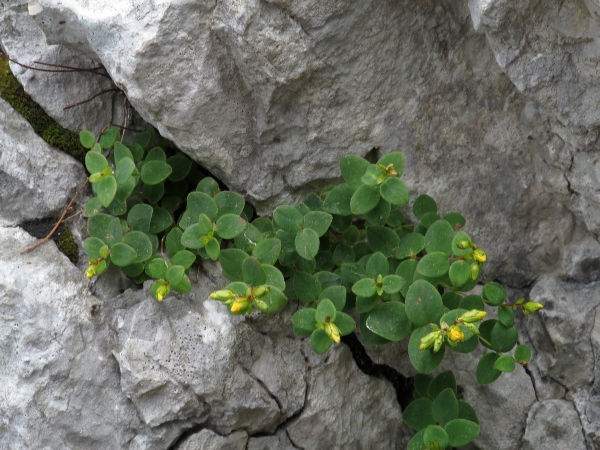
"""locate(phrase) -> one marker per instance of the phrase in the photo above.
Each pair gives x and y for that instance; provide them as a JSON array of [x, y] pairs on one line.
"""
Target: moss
[[55, 135], [66, 244]]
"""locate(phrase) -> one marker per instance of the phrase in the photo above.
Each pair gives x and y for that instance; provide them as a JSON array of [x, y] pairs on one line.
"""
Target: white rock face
[[553, 424], [36, 180]]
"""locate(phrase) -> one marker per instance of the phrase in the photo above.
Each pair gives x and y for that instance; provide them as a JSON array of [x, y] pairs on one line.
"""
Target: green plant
[[348, 248]]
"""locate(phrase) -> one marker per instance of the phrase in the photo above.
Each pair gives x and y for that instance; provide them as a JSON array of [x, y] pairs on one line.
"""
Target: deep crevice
[[402, 385]]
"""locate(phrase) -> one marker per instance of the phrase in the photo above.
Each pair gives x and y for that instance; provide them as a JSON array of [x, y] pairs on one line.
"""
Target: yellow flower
[[455, 334], [479, 255]]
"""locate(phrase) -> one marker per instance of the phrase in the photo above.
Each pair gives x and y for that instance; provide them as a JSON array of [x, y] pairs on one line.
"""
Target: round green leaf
[[365, 287], [433, 264], [382, 239], [326, 311], [320, 341], [157, 268], [472, 302], [122, 254], [439, 237], [124, 169], [161, 220], [466, 411], [120, 152], [424, 204], [377, 265], [92, 207], [353, 168], [423, 303], [181, 167], [307, 243], [106, 190], [140, 243], [252, 272], [230, 203], [394, 158], [154, 192], [338, 200], [174, 274], [364, 199], [87, 139], [419, 414], [506, 316], [461, 432], [460, 272], [267, 251], [208, 186], [486, 372], [213, 249], [183, 258], [133, 270], [455, 220], [230, 225], [522, 354], [306, 287], [139, 217], [231, 261], [154, 172], [505, 363], [504, 338], [274, 300], [425, 361], [156, 154], [192, 236], [318, 221], [304, 321], [389, 320], [201, 203], [444, 380], [410, 245], [393, 284], [366, 304], [173, 241], [345, 323], [435, 437], [378, 215], [336, 294], [288, 218], [274, 277], [461, 237], [182, 286], [92, 246], [494, 293], [394, 191], [445, 406], [416, 442], [374, 175], [396, 218], [105, 227], [109, 137]]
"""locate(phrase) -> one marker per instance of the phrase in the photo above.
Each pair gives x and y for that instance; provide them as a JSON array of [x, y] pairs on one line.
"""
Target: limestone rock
[[209, 440], [280, 441], [35, 180], [553, 424]]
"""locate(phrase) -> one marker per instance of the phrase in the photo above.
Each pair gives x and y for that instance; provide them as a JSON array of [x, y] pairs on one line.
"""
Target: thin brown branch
[[75, 69], [69, 70], [62, 217], [91, 98]]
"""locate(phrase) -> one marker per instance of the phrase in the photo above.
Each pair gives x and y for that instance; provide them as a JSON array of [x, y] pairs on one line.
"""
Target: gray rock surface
[[209, 440], [36, 180], [553, 424]]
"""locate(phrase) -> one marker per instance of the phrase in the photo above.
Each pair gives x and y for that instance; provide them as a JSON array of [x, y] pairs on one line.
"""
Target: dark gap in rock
[[402, 384], [186, 434], [63, 237], [373, 155]]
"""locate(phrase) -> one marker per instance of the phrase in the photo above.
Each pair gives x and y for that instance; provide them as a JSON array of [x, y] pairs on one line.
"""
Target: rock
[[208, 440], [342, 404], [553, 424], [36, 180], [280, 441], [24, 40]]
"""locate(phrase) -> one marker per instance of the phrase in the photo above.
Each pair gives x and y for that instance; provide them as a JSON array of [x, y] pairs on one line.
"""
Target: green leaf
[[445, 406], [213, 249], [183, 258], [336, 294], [95, 162], [161, 220], [410, 245], [139, 217], [396, 218], [87, 139], [466, 411], [144, 138], [460, 272], [338, 200], [307, 243], [288, 218], [345, 323], [230, 225], [424, 204], [461, 237], [182, 286], [157, 268], [389, 320], [425, 361], [506, 316], [377, 265], [192, 236], [394, 158], [419, 414], [274, 300], [133, 270], [364, 199], [154, 193], [494, 294], [366, 304], [455, 220], [267, 251], [230, 203], [122, 254], [393, 284], [486, 372], [306, 287], [353, 168], [156, 154], [421, 384], [439, 237], [382, 239], [231, 260], [435, 437], [326, 311], [365, 287], [181, 167], [416, 442], [423, 303], [445, 380], [125, 168], [109, 137], [252, 272], [406, 269], [304, 320], [201, 203], [374, 175], [105, 227], [504, 338], [120, 152], [505, 363], [461, 432], [318, 221], [154, 172], [341, 223], [106, 190], [140, 243], [174, 274], [394, 191], [92, 246], [343, 253], [320, 341], [472, 302], [208, 186], [92, 207], [274, 277], [173, 241], [522, 354], [433, 264], [378, 215]]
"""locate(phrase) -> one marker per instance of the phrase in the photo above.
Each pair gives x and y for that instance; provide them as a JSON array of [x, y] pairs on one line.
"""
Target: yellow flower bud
[[531, 307], [237, 306], [90, 272], [455, 334], [474, 315], [333, 332], [479, 255], [438, 343], [428, 340], [472, 328], [222, 295], [260, 291], [474, 271], [162, 292], [463, 245]]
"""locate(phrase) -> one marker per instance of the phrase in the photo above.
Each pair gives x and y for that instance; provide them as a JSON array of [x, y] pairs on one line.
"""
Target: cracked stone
[[209, 440], [553, 424]]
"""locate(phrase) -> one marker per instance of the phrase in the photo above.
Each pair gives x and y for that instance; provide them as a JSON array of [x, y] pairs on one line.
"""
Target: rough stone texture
[[269, 95], [208, 440], [280, 441], [22, 39], [35, 179], [553, 424]]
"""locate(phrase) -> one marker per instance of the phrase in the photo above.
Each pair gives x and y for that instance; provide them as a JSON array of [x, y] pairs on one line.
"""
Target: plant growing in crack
[[347, 252]]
